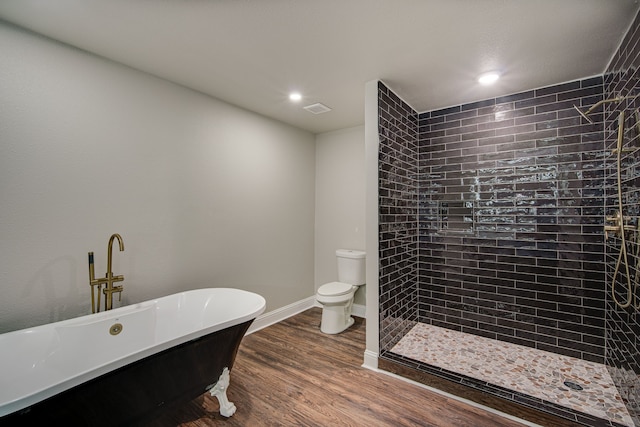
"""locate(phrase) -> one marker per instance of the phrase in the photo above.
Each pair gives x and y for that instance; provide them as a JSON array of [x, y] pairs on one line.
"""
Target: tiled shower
[[491, 219]]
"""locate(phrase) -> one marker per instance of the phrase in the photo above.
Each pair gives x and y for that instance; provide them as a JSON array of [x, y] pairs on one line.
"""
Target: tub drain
[[573, 386], [115, 329]]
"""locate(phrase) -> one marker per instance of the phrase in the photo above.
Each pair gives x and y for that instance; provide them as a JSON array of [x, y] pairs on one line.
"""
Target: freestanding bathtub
[[120, 367]]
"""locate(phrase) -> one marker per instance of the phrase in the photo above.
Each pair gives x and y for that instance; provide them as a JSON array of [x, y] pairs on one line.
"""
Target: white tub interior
[[40, 362]]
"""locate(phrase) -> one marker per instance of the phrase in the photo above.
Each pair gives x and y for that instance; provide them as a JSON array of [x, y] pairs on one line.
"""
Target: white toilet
[[337, 297]]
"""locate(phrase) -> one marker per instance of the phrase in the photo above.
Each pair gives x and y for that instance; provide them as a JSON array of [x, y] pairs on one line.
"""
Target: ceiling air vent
[[317, 108]]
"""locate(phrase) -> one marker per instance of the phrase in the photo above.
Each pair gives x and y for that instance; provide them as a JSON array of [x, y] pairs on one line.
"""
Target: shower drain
[[573, 386]]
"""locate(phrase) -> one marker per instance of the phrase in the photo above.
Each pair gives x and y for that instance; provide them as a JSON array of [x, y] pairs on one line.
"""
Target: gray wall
[[203, 193], [340, 194]]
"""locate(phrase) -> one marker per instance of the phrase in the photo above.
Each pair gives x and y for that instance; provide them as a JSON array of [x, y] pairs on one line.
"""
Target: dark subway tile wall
[[525, 262], [491, 223], [398, 216], [623, 324]]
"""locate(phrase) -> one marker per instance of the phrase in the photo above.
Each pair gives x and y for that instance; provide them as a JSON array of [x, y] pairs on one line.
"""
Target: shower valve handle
[[619, 225], [616, 228], [610, 228]]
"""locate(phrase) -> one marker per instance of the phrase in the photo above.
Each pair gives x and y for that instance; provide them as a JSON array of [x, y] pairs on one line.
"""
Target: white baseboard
[[370, 360], [279, 314], [359, 310]]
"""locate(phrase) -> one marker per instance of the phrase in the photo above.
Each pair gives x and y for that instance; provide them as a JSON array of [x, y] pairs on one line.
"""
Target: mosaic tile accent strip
[[522, 369]]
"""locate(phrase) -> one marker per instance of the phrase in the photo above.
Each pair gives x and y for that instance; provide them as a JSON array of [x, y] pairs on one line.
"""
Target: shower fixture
[[585, 114], [635, 237], [619, 227]]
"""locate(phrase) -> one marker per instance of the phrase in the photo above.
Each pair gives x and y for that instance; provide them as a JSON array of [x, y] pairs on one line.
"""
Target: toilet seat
[[335, 289]]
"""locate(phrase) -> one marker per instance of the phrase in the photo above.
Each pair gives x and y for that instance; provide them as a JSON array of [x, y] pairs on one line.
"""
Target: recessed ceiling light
[[295, 96], [488, 78]]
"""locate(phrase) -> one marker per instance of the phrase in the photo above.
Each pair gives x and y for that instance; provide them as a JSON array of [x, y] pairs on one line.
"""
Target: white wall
[[203, 193], [340, 201], [371, 166]]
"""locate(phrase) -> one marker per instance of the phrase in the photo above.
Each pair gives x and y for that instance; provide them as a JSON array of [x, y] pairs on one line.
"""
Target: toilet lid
[[335, 289]]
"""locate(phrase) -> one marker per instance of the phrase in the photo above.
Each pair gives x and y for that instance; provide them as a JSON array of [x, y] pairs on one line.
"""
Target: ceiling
[[252, 53]]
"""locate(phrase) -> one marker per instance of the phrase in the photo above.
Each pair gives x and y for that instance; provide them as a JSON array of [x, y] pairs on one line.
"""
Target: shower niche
[[455, 216]]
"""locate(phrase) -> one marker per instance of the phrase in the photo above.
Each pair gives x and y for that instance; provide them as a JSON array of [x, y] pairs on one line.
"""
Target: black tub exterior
[[139, 391]]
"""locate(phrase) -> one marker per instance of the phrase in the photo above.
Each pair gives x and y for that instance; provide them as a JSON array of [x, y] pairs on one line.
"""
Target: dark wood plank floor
[[290, 374]]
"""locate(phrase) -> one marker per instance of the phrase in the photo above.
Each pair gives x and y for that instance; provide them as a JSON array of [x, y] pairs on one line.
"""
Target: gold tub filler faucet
[[108, 280]]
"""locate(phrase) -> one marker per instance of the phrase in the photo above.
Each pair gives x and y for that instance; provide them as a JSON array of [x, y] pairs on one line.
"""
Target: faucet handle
[[616, 217], [615, 229], [119, 290]]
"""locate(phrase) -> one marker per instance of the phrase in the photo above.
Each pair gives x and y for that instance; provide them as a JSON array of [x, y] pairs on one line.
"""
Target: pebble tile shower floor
[[526, 370]]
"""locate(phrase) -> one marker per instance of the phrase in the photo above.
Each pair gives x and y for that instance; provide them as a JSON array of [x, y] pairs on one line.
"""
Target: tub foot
[[219, 390]]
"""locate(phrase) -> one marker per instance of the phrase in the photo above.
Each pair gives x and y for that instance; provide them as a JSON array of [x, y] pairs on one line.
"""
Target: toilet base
[[335, 320]]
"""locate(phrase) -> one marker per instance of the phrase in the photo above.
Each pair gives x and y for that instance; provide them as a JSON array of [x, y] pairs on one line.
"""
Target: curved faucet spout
[[110, 251], [110, 288]]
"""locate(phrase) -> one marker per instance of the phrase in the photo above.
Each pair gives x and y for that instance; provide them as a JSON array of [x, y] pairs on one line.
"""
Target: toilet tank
[[351, 266]]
